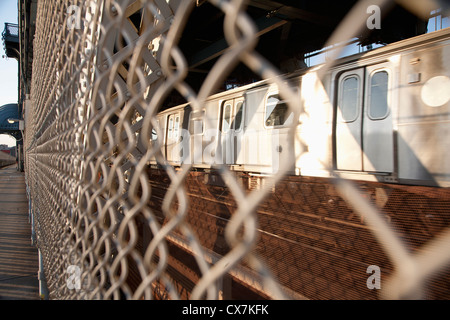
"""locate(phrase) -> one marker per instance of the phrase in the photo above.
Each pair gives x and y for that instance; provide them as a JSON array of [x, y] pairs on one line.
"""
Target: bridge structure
[[10, 37], [109, 224], [9, 114], [11, 120]]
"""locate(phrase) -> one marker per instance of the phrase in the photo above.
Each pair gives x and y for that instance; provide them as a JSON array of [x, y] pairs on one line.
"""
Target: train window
[[348, 103], [378, 107], [155, 132], [277, 112], [238, 117], [170, 127], [196, 125], [226, 120], [176, 127]]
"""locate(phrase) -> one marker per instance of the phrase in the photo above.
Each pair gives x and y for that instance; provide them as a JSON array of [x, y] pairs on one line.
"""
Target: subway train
[[6, 159], [382, 116]]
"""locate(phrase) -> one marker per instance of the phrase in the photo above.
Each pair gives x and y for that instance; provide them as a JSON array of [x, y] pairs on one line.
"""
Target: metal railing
[[11, 30], [98, 83]]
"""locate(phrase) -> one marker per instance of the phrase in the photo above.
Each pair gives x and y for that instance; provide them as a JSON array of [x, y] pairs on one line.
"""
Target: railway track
[[314, 244]]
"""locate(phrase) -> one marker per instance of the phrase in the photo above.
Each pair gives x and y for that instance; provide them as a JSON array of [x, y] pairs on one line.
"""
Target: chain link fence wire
[[110, 224]]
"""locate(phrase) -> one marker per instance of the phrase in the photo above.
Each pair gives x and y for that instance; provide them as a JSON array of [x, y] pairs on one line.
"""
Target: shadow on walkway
[[19, 262]]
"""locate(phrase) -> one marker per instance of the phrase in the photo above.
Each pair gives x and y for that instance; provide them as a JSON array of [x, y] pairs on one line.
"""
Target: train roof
[[365, 57]]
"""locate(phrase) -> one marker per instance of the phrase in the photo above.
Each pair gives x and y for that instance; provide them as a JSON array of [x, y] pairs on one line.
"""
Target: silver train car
[[6, 159], [379, 116]]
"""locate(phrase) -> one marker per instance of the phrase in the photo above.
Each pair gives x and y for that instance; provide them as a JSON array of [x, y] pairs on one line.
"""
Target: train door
[[378, 136], [172, 134], [196, 131], [349, 120], [277, 120], [238, 132], [231, 129], [364, 130]]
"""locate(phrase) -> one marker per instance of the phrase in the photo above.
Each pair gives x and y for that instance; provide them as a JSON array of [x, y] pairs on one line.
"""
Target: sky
[[8, 66]]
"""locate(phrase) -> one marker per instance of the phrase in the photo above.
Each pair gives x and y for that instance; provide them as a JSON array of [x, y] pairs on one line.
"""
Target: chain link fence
[[110, 223]]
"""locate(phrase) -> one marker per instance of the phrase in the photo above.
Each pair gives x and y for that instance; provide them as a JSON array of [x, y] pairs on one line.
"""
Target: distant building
[[8, 150]]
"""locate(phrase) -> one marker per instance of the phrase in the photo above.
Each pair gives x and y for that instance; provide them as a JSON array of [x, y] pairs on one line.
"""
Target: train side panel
[[313, 144], [257, 142], [424, 116]]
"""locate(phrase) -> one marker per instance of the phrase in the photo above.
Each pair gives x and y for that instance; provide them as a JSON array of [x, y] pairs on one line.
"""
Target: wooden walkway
[[19, 263]]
